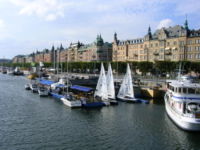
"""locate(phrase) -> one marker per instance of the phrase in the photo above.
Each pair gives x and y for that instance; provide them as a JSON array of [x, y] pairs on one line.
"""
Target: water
[[28, 122]]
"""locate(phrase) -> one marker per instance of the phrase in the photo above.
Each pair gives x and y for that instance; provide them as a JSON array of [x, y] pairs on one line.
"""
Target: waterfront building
[[19, 59], [176, 43], [96, 51]]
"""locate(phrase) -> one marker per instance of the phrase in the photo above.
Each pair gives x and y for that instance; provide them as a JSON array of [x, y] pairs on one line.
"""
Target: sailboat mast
[[67, 74]]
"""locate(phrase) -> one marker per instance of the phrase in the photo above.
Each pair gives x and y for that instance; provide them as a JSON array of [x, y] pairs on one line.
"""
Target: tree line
[[158, 67]]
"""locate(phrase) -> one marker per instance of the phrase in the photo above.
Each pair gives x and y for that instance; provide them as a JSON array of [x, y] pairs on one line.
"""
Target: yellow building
[[173, 44]]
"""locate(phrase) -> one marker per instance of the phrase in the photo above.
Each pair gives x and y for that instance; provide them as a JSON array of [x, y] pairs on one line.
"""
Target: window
[[181, 43], [175, 42], [185, 90], [197, 90], [191, 91], [168, 43], [179, 90]]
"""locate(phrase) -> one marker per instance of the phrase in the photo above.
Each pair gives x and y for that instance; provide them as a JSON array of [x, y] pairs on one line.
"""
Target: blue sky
[[30, 25]]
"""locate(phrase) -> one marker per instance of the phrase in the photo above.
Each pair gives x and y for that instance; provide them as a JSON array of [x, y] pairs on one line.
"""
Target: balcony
[[156, 53], [168, 52]]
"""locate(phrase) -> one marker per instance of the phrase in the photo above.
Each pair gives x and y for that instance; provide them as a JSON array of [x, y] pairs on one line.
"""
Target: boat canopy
[[60, 85], [81, 88], [46, 82]]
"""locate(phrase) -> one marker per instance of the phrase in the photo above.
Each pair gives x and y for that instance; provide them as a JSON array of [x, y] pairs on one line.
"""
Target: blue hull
[[93, 105], [57, 96], [143, 101]]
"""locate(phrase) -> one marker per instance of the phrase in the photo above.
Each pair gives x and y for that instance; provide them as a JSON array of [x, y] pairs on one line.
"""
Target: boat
[[27, 86], [17, 72], [70, 100], [42, 91], [34, 87], [126, 89], [182, 103], [101, 92], [110, 86], [86, 96]]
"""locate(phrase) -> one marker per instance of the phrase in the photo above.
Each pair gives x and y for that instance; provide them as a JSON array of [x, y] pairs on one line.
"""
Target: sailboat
[[101, 91], [126, 89], [110, 86]]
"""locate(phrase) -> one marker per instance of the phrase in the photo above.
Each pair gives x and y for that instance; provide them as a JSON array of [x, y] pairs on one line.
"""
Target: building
[[19, 59], [96, 51], [166, 44]]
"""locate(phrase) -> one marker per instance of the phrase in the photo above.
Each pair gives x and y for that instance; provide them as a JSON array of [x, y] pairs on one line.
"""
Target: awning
[[81, 88], [46, 82], [174, 48], [167, 48], [60, 85]]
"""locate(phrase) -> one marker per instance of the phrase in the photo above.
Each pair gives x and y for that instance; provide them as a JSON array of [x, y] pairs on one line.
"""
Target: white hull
[[34, 90], [106, 103], [43, 93], [72, 104], [133, 100], [186, 123]]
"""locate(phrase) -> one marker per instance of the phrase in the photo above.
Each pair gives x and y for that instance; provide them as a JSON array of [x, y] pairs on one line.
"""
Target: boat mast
[[67, 73]]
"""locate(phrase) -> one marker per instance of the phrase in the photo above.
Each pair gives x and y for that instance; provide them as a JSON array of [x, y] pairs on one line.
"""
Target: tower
[[186, 24]]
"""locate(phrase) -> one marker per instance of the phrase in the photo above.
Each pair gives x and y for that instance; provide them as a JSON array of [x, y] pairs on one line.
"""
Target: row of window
[[190, 48], [197, 41], [185, 90]]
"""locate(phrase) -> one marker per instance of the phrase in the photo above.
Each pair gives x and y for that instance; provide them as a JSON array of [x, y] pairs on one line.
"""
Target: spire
[[61, 47], [149, 35], [115, 37], [186, 24], [52, 49], [149, 30]]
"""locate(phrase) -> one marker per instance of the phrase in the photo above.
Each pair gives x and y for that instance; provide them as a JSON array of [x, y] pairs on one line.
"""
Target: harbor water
[[28, 122]]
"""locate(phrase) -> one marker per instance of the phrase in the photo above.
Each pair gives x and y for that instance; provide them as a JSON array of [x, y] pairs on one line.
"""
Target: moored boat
[[182, 104], [34, 87], [101, 92], [111, 87], [42, 91], [126, 89], [70, 101], [27, 86]]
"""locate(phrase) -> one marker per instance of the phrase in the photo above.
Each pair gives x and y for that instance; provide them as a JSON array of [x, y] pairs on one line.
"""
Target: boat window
[[185, 90], [197, 90], [179, 90], [191, 91], [172, 88]]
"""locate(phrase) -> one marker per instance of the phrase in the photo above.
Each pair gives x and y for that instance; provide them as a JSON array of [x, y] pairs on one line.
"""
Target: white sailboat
[[126, 89], [101, 91], [110, 86]]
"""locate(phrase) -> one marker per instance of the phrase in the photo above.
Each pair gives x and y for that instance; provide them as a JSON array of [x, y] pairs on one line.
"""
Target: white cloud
[[165, 23], [48, 9]]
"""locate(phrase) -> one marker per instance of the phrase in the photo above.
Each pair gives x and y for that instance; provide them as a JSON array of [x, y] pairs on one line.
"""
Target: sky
[[30, 25]]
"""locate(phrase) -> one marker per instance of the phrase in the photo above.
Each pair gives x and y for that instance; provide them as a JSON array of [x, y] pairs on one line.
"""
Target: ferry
[[182, 103]]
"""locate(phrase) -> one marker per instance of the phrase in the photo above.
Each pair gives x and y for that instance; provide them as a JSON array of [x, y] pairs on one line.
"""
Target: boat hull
[[55, 95], [128, 100], [72, 104], [93, 105], [185, 123], [43, 93]]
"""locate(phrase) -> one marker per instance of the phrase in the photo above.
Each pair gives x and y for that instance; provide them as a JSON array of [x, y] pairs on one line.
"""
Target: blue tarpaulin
[[60, 85], [46, 82], [81, 88]]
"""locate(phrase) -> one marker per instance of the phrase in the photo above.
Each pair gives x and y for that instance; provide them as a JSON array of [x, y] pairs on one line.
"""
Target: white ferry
[[182, 103]]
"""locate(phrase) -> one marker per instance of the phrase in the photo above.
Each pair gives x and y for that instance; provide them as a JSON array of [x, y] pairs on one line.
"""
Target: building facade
[[176, 43]]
